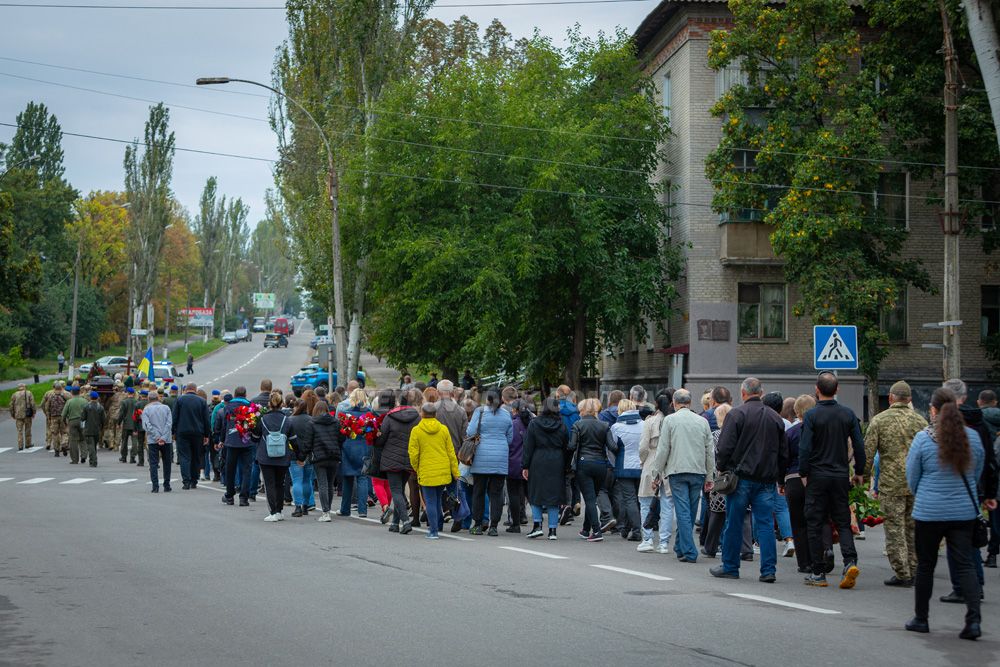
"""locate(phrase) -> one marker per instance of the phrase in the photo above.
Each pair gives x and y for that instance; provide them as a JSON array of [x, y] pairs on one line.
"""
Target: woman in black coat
[[545, 446], [324, 453], [394, 438]]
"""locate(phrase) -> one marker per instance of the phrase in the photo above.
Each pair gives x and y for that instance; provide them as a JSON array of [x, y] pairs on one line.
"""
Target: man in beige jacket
[[22, 409]]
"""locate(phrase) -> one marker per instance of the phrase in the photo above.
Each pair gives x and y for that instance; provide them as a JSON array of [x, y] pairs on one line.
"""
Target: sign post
[[264, 300], [835, 348]]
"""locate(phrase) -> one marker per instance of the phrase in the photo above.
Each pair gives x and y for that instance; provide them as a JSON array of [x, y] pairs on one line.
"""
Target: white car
[[111, 365]]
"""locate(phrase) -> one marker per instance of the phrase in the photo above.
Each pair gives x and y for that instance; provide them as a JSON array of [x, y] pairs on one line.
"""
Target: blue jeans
[[466, 491], [364, 486], [553, 512], [432, 501], [666, 516], [302, 484], [760, 497], [238, 464], [783, 517], [686, 488], [207, 462]]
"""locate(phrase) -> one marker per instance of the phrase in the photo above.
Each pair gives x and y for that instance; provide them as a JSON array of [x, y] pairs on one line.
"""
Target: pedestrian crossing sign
[[835, 348]]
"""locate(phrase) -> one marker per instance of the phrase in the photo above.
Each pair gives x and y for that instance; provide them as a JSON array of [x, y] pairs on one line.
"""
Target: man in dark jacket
[[191, 431], [987, 486], [264, 397], [828, 430], [753, 445], [238, 453], [93, 420]]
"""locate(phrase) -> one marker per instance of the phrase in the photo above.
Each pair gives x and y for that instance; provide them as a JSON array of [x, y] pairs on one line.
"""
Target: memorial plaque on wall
[[713, 330]]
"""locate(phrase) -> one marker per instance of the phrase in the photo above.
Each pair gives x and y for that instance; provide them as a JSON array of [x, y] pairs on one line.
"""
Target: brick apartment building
[[735, 308]]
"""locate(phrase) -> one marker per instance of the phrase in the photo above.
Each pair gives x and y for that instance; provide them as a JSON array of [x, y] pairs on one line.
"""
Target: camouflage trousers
[[23, 433], [56, 435], [899, 546], [111, 437]]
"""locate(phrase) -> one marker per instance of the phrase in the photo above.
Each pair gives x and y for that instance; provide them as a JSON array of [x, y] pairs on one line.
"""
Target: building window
[[762, 311], [668, 96], [728, 77], [893, 320], [650, 335], [989, 310], [891, 199]]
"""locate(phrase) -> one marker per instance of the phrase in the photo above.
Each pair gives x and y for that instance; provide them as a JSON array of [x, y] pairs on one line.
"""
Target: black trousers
[[590, 476], [827, 497], [515, 500], [189, 455], [712, 531], [326, 476], [626, 491], [274, 485], [481, 486], [926, 539], [397, 488]]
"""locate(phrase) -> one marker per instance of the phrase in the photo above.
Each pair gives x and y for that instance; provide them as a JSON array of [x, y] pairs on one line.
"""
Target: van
[[281, 326]]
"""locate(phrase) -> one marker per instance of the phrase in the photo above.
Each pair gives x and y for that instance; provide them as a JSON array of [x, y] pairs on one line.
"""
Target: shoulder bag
[[980, 536], [275, 441], [727, 481], [467, 452]]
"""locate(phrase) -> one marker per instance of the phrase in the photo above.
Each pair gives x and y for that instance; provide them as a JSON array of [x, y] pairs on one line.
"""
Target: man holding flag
[[146, 366]]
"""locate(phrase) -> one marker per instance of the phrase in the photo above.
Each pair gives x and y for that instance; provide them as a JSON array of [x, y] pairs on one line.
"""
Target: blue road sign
[[835, 348]]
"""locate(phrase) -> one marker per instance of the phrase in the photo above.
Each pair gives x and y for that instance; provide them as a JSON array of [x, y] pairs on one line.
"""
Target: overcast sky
[[179, 46]]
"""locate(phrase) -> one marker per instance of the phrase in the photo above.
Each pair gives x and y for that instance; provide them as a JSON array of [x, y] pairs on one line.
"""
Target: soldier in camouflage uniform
[[22, 409], [127, 426], [112, 430], [55, 429], [889, 436]]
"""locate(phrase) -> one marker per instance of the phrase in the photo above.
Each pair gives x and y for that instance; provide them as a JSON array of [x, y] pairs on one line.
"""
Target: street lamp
[[339, 325], [23, 162]]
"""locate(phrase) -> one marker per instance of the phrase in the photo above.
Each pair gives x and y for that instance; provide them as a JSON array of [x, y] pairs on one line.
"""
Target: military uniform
[[889, 435], [113, 428], [72, 414], [127, 426], [55, 428], [140, 435], [22, 409], [94, 419]]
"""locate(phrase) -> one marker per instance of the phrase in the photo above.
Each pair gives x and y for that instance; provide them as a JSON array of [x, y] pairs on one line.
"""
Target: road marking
[[30, 450], [418, 530], [37, 480], [793, 605], [121, 481], [535, 553], [5, 479], [5, 449], [79, 480], [635, 573]]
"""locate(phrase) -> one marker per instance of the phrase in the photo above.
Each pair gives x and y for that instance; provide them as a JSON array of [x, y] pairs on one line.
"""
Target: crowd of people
[[724, 481]]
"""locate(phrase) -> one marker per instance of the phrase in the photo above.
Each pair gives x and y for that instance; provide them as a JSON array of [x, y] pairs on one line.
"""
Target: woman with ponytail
[[944, 462]]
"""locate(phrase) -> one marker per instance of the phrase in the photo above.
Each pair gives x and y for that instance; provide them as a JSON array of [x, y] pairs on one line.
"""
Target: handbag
[[372, 466], [727, 481], [467, 452], [980, 536], [276, 442]]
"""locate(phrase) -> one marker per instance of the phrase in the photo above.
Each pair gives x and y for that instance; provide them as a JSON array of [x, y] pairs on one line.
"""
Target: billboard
[[199, 317], [263, 300]]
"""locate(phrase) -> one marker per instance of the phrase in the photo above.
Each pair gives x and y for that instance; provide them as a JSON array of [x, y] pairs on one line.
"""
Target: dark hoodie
[[992, 418], [546, 444], [394, 438], [326, 441], [973, 417]]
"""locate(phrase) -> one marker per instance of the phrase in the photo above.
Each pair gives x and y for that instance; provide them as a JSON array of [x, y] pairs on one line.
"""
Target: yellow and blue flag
[[146, 366]]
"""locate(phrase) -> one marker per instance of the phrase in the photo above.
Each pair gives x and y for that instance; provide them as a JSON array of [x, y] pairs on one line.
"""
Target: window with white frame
[[729, 76], [762, 311], [668, 97]]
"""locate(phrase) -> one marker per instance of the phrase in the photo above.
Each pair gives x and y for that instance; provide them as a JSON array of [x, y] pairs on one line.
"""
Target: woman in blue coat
[[489, 467], [355, 449]]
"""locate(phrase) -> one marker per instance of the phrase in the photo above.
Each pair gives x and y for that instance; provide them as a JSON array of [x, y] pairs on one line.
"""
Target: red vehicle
[[281, 326]]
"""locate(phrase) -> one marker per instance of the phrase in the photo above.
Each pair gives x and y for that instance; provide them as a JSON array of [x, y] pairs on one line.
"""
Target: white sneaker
[[663, 549], [281, 517], [789, 549], [324, 517], [271, 518], [860, 536], [644, 547], [756, 549]]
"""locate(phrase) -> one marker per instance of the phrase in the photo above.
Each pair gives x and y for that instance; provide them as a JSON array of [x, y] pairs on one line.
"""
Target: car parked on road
[[166, 371], [259, 325], [320, 340], [230, 337], [275, 340], [313, 376]]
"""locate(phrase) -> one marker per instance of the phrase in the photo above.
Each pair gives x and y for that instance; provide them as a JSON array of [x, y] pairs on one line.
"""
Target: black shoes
[[536, 531], [456, 526], [918, 625], [226, 500], [393, 528], [720, 572], [748, 557], [513, 529], [900, 583], [828, 558], [406, 528], [297, 512], [957, 598], [185, 486], [155, 489], [166, 488], [991, 561], [685, 559], [492, 532], [767, 579], [971, 631], [635, 536], [566, 516], [244, 502], [386, 513]]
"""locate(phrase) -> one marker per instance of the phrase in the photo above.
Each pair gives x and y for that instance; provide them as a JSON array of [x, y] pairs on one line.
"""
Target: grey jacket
[[157, 422], [685, 445]]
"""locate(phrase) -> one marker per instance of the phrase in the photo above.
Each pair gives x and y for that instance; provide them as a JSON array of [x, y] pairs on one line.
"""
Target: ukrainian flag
[[146, 365]]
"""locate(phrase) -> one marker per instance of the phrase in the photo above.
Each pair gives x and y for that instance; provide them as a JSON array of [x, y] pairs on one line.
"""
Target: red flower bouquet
[[360, 426], [246, 418]]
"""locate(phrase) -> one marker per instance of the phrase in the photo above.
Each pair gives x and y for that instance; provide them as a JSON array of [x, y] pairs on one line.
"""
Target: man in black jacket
[[191, 431], [987, 486], [753, 445], [827, 432]]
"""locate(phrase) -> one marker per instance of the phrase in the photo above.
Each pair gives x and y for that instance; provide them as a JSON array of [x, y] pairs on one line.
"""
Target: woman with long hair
[[489, 467], [385, 402], [623, 441], [546, 443], [302, 471], [523, 414], [795, 492], [716, 518], [273, 468], [942, 468], [588, 444], [394, 439], [324, 454], [355, 449], [648, 491]]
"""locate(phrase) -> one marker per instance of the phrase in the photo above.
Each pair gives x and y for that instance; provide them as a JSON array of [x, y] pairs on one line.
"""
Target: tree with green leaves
[[805, 119], [148, 170]]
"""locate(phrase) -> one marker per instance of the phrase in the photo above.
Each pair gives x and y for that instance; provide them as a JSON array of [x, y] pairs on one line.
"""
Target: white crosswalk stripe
[[79, 480], [37, 480], [121, 481], [30, 450], [5, 449], [5, 479]]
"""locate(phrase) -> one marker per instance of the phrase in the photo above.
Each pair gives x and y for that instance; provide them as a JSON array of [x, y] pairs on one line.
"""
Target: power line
[[862, 159], [533, 3]]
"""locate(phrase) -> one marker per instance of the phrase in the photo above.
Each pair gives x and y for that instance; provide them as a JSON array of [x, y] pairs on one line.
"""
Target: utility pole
[[951, 217]]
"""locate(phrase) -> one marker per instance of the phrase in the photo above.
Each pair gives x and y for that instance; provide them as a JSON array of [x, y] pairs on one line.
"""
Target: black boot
[[536, 530], [297, 512], [552, 534]]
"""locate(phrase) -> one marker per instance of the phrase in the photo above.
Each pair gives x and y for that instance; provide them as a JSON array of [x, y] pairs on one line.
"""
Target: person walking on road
[[489, 467], [140, 434], [157, 424], [623, 442], [752, 445], [394, 439], [715, 518], [238, 453], [546, 445], [432, 455], [685, 456], [795, 494], [521, 414], [126, 418], [943, 469], [302, 471], [828, 430], [93, 420], [453, 416], [61, 360], [889, 436], [324, 453], [191, 429], [355, 484], [22, 409], [588, 444], [72, 413], [190, 364], [275, 446], [55, 429], [650, 491]]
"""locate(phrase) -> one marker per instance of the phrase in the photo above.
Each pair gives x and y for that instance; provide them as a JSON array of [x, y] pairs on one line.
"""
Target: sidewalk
[[12, 384]]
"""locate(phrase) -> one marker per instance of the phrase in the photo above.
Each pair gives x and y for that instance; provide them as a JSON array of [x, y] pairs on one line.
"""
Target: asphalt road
[[102, 573]]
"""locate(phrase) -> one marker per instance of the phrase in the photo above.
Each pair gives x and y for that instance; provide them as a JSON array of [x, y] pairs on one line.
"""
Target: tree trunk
[[354, 343], [571, 375], [449, 373], [983, 32], [873, 407]]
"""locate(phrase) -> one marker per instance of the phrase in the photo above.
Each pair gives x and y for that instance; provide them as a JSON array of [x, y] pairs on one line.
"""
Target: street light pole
[[333, 190]]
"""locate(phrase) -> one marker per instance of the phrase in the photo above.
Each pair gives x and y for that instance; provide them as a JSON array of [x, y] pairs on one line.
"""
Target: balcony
[[745, 241]]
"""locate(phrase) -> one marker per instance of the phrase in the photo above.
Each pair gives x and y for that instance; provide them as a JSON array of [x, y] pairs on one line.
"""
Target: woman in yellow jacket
[[432, 456]]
